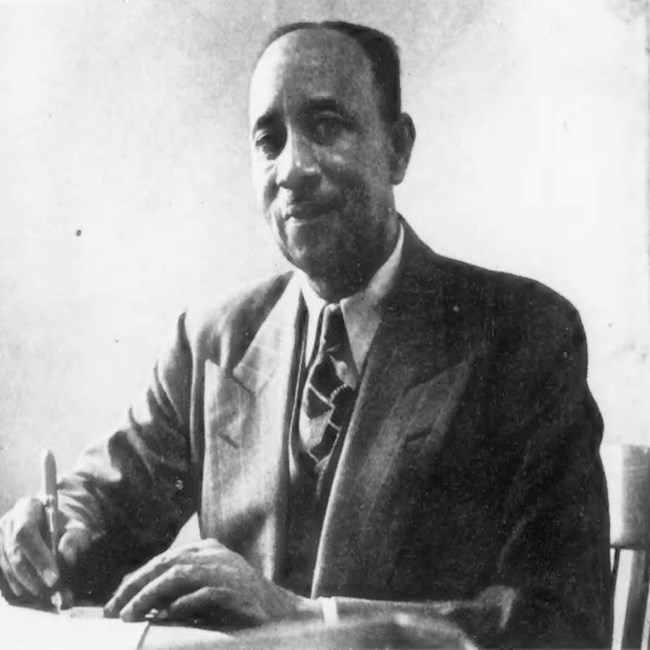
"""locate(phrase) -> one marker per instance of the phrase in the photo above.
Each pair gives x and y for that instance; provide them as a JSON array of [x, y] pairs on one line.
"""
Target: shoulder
[[517, 319], [509, 297], [530, 342], [509, 306], [530, 329], [227, 327], [496, 294]]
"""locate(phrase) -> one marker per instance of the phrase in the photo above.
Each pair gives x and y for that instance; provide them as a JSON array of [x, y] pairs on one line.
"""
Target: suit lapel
[[248, 415], [411, 386], [270, 356]]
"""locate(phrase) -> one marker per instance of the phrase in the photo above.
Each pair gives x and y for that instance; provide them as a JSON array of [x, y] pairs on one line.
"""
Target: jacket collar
[[272, 350]]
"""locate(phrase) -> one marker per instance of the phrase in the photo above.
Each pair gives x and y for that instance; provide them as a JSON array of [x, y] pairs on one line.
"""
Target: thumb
[[74, 541]]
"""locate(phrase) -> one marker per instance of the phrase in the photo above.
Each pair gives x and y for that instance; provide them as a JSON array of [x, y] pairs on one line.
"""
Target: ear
[[402, 135]]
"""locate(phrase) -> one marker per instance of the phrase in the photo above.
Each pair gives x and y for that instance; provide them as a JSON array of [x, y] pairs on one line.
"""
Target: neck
[[348, 281]]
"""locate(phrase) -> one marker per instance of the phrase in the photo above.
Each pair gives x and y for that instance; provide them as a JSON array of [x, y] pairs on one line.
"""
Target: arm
[[133, 490], [556, 554], [124, 502], [549, 585]]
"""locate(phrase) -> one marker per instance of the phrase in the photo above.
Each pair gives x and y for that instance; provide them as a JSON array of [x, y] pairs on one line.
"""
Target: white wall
[[124, 183]]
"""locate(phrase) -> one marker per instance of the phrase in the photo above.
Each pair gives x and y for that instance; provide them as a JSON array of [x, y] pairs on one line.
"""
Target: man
[[383, 426]]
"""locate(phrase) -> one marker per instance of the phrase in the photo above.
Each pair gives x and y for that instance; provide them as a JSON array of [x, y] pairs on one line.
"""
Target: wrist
[[308, 609], [319, 609]]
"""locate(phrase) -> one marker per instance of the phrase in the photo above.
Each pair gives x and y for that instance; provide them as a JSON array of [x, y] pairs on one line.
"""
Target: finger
[[67, 598], [20, 573], [134, 582], [169, 586], [204, 603], [25, 530], [6, 592], [8, 574], [73, 542]]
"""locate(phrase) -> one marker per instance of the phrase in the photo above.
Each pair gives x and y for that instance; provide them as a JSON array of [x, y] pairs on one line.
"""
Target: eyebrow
[[264, 121], [313, 105], [319, 104]]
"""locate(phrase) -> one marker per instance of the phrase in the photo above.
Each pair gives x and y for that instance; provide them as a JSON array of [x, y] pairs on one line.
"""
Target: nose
[[297, 168]]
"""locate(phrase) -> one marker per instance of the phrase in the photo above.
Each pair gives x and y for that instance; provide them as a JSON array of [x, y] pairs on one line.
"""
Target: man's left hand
[[203, 580]]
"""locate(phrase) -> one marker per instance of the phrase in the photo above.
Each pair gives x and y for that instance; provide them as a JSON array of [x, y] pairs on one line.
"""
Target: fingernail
[[127, 615], [50, 577], [157, 615], [57, 601]]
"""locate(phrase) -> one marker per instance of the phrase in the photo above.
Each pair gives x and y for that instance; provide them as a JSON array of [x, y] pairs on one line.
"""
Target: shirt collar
[[361, 311]]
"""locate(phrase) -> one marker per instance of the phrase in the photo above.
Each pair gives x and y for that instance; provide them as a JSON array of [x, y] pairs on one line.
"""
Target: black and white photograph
[[324, 324]]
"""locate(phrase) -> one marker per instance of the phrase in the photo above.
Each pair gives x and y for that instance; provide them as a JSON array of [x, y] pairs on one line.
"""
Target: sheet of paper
[[27, 629], [84, 612], [84, 628], [175, 637]]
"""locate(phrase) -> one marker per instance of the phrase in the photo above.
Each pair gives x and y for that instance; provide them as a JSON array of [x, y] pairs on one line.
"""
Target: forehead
[[310, 64]]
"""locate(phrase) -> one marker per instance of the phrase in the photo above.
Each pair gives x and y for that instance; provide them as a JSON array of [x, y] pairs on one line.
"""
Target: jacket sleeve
[[556, 554], [134, 490]]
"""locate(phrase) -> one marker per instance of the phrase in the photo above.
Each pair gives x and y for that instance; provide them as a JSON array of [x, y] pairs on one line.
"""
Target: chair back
[[627, 468]]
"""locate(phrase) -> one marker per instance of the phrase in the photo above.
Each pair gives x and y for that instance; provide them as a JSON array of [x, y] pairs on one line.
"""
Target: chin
[[335, 277], [324, 257], [314, 265], [312, 254]]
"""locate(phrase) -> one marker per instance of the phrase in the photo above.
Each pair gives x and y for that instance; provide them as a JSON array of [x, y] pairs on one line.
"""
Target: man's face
[[321, 156]]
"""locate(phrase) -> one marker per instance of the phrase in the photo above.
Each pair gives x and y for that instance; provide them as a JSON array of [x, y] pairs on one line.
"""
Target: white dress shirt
[[361, 311]]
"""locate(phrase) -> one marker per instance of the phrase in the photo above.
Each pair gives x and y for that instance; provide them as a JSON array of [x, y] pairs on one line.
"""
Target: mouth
[[306, 211]]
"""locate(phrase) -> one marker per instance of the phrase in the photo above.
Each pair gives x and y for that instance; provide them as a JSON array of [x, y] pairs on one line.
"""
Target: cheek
[[362, 169], [263, 183], [344, 172]]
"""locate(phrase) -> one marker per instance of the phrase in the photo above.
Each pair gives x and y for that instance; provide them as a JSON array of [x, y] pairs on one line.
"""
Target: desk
[[28, 629], [22, 628]]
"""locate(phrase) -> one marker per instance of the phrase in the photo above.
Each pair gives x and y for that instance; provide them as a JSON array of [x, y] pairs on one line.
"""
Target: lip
[[306, 211]]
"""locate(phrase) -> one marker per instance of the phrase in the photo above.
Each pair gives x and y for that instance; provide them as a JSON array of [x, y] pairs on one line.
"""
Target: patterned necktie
[[327, 400]]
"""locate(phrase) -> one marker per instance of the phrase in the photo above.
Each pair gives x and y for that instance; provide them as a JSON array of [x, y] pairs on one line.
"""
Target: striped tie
[[327, 400]]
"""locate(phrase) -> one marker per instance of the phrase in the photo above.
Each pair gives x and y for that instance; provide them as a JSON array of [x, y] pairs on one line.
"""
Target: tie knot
[[332, 335]]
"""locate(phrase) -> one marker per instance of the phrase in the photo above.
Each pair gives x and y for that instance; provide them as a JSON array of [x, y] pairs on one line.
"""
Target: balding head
[[324, 157], [382, 53]]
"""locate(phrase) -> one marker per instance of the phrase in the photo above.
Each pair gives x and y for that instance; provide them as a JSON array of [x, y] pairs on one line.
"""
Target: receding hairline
[[310, 27], [363, 58], [379, 50]]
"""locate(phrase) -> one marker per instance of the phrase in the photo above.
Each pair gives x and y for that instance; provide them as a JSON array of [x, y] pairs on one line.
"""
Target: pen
[[51, 514]]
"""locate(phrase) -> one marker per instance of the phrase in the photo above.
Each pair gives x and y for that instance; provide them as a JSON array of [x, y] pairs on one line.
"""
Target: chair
[[627, 468], [188, 533]]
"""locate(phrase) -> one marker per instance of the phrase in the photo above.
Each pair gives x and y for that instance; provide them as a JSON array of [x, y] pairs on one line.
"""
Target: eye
[[268, 142], [327, 128]]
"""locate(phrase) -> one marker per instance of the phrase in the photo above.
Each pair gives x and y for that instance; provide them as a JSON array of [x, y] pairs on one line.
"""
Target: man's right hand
[[29, 568]]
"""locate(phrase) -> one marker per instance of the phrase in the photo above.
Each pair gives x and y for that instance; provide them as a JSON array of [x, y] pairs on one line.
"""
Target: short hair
[[381, 50]]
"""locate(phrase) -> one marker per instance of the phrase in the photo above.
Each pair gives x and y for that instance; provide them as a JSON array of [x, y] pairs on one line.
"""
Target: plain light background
[[125, 188]]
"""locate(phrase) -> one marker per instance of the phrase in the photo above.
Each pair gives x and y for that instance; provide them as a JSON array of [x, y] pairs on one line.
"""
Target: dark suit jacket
[[469, 478]]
